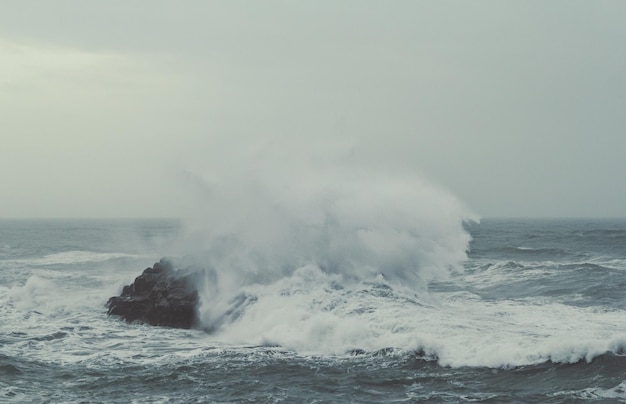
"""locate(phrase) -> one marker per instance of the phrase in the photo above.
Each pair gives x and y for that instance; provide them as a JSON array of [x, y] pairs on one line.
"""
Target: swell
[[596, 282], [523, 253], [610, 362], [68, 257]]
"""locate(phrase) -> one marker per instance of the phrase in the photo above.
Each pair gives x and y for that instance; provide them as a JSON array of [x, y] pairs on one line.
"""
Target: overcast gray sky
[[516, 107]]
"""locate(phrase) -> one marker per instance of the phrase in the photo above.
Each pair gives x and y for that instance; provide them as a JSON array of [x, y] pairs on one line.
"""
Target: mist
[[265, 213]]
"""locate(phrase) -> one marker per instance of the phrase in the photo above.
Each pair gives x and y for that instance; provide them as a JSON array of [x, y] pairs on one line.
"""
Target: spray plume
[[268, 211]]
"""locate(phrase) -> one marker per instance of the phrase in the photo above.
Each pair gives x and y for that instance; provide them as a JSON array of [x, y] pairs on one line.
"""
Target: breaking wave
[[255, 230]]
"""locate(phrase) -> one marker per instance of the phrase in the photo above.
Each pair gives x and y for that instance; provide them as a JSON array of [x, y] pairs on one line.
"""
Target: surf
[[259, 223]]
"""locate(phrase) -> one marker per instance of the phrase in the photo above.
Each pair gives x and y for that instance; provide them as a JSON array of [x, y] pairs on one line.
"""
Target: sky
[[128, 109]]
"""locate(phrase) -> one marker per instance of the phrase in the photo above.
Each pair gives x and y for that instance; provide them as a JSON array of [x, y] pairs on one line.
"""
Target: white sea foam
[[55, 295], [54, 321], [33, 295], [310, 314], [617, 393], [70, 257]]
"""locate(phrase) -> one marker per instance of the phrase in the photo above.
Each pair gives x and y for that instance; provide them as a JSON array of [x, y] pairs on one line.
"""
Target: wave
[[332, 260], [69, 257], [315, 313], [49, 297], [312, 313], [604, 233], [522, 252], [256, 228], [597, 393]]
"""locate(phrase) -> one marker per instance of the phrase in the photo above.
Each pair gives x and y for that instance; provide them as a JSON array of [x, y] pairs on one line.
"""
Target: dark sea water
[[536, 312]]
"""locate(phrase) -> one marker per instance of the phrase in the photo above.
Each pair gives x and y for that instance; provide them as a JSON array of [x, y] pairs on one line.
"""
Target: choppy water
[[537, 313]]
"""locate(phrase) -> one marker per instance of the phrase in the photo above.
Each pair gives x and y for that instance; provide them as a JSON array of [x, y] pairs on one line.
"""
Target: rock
[[160, 296]]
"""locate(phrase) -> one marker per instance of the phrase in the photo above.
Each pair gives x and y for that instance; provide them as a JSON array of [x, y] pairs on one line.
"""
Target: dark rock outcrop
[[159, 296]]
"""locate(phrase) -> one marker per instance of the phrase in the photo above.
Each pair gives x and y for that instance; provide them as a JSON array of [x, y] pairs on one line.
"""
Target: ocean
[[519, 311]]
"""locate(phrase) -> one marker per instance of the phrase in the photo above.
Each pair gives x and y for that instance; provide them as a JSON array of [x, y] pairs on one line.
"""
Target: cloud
[[79, 129], [509, 105]]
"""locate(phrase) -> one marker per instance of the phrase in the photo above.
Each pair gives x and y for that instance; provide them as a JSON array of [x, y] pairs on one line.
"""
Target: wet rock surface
[[161, 296]]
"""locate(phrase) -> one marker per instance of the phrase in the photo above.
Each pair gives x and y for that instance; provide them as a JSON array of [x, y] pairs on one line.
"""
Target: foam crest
[[307, 312], [34, 294], [617, 393]]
